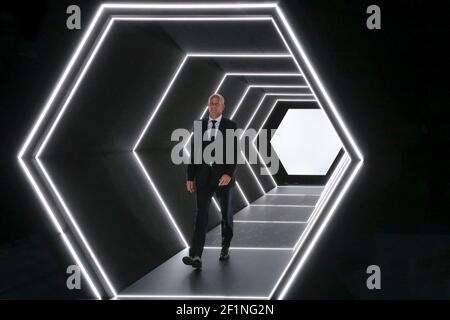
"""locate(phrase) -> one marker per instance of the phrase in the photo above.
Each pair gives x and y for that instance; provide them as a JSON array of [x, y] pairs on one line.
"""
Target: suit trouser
[[204, 195]]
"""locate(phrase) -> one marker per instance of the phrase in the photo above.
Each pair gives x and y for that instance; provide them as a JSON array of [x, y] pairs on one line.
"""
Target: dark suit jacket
[[202, 173]]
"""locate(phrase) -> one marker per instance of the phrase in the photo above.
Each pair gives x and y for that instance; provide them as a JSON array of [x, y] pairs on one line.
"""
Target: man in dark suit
[[210, 178]]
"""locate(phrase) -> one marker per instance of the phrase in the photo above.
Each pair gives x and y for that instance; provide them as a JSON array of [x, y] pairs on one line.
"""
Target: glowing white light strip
[[61, 80], [335, 178], [81, 265], [264, 164], [188, 153], [218, 18], [75, 87], [200, 6], [32, 133], [316, 78], [273, 107], [188, 5], [248, 124], [265, 74], [293, 194], [204, 111], [259, 131], [308, 228], [254, 175], [274, 94], [287, 286], [216, 204], [172, 220], [299, 68], [264, 97], [267, 94], [303, 235], [302, 187], [237, 55], [261, 159], [176, 75], [281, 205], [30, 178], [242, 192], [59, 229], [252, 248], [49, 134], [330, 187], [189, 55], [202, 55], [213, 199], [269, 221], [249, 87], [264, 122], [160, 102], [150, 296], [292, 94], [308, 84], [238, 105], [278, 86], [172, 82], [53, 218], [251, 119], [320, 231], [77, 228]]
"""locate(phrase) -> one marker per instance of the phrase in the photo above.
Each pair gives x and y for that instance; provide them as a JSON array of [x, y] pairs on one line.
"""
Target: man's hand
[[190, 186], [224, 180]]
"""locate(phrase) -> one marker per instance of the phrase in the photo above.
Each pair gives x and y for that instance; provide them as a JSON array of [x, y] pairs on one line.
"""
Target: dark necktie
[[213, 137]]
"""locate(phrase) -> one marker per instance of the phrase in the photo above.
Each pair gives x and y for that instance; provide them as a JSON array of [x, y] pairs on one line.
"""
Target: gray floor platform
[[314, 190], [265, 213], [265, 233], [298, 200], [247, 274]]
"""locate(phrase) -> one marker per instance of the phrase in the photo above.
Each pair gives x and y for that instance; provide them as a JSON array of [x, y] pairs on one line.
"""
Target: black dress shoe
[[188, 260], [197, 263], [224, 254]]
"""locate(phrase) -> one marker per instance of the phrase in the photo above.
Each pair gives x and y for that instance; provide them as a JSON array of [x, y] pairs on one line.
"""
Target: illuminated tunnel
[[98, 156]]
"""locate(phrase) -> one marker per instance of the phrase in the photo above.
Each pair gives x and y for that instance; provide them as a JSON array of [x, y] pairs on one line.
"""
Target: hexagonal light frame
[[341, 179], [228, 74], [249, 87]]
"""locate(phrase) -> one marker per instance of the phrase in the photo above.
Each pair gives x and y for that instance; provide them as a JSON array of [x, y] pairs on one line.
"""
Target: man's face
[[215, 108]]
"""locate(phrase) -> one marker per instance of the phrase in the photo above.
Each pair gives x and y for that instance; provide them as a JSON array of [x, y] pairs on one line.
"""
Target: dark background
[[391, 87]]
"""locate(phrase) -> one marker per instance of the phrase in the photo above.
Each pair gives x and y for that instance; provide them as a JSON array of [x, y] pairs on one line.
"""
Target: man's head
[[216, 104]]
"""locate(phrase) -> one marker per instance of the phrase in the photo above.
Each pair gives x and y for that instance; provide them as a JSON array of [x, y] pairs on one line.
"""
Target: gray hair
[[217, 95]]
